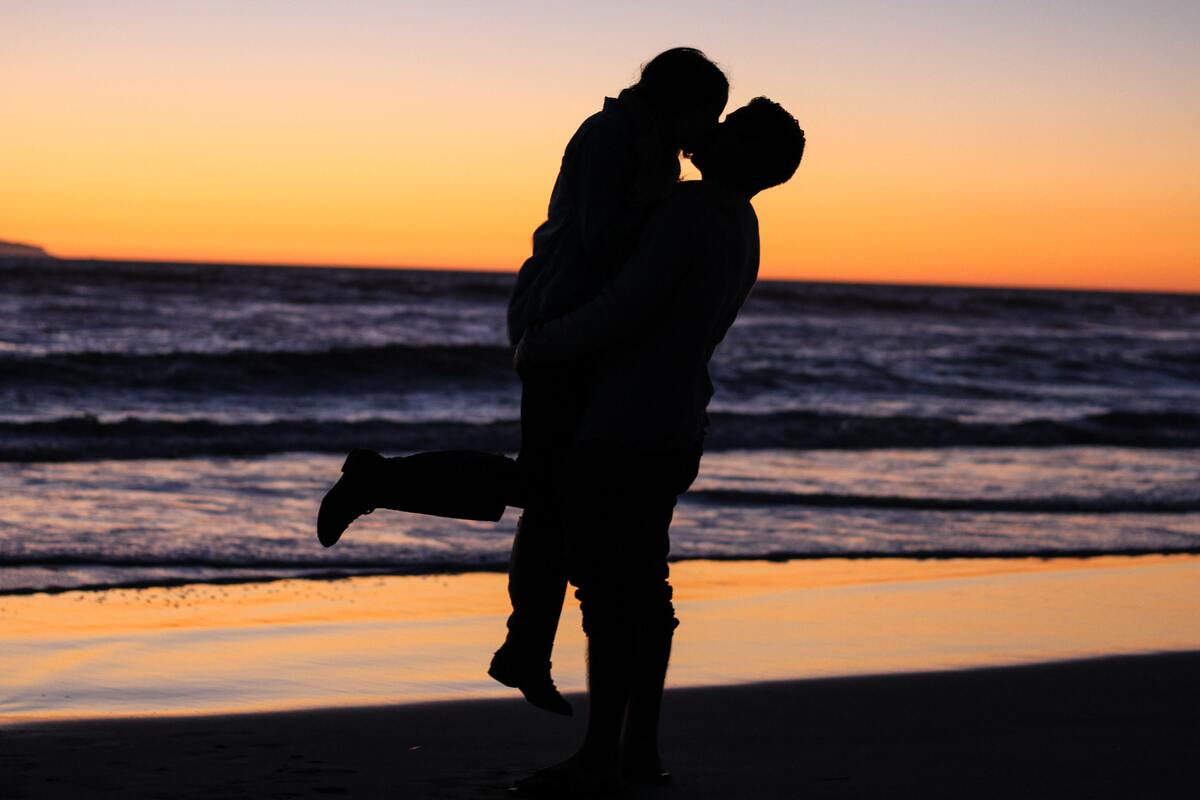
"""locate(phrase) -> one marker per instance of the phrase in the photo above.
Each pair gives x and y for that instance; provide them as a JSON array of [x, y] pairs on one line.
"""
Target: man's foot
[[348, 499], [533, 679], [571, 778], [643, 769]]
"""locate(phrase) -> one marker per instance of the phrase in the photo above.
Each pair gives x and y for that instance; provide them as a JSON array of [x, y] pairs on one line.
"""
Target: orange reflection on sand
[[839, 617], [300, 643], [723, 580], [254, 605]]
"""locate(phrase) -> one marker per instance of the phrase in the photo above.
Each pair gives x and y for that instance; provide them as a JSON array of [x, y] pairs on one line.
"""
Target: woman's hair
[[681, 78]]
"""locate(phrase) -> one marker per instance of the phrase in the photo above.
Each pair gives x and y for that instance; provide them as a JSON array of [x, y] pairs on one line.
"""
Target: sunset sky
[[1013, 143]]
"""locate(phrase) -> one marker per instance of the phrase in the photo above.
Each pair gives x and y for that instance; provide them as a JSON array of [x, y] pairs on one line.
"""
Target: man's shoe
[[567, 779], [650, 777], [533, 680], [349, 498]]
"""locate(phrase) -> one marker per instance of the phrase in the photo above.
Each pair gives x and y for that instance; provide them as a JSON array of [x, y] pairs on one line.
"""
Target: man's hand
[[520, 357]]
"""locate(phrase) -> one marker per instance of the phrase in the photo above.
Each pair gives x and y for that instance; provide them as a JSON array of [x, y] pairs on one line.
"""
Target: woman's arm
[[629, 301]]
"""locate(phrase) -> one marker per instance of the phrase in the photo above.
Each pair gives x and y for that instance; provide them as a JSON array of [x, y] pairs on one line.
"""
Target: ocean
[[174, 423]]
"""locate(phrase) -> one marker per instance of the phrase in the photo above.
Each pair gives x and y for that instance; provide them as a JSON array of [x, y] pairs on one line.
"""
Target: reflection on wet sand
[[296, 643]]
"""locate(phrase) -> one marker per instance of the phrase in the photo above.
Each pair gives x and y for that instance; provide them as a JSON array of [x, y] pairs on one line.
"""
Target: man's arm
[[629, 301]]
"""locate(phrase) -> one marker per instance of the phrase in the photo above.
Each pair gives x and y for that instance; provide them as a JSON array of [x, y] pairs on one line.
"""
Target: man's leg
[[621, 502], [629, 620], [640, 758]]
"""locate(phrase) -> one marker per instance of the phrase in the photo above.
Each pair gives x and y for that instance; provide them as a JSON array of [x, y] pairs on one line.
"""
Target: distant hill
[[18, 250]]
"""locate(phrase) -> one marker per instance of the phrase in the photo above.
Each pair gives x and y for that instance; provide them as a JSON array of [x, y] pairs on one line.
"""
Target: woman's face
[[707, 157], [696, 125]]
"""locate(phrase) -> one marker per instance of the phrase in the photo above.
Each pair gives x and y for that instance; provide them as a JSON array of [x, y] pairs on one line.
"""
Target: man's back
[[653, 329]]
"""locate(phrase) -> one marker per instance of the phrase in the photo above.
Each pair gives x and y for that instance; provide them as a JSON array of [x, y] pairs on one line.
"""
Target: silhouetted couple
[[634, 280]]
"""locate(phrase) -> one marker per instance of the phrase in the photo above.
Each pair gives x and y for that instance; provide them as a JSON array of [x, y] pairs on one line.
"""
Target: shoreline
[[1103, 727], [452, 570], [509, 271]]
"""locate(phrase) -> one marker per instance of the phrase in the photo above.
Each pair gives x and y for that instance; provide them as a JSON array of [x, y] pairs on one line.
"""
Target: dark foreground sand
[[1118, 727]]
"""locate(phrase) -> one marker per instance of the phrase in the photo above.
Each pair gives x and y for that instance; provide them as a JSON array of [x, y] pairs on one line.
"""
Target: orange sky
[[996, 144]]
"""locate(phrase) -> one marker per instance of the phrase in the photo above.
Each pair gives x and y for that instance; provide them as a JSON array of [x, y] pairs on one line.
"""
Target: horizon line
[[513, 271]]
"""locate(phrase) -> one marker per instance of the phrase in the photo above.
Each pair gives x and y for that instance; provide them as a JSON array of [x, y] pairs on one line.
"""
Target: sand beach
[[821, 678]]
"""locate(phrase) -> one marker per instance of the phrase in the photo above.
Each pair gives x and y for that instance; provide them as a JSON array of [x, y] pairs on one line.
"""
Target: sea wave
[[266, 370], [79, 438], [968, 302], [420, 563], [1034, 505], [763, 368], [316, 285], [56, 575]]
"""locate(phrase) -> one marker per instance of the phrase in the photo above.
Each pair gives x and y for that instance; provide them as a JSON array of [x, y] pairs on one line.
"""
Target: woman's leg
[[474, 485], [469, 484], [461, 484], [537, 584], [537, 578]]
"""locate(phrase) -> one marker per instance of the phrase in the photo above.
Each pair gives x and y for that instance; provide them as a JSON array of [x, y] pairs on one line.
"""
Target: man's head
[[758, 146], [686, 91]]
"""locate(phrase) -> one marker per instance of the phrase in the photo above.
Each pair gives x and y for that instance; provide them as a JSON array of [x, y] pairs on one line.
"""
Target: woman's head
[[687, 92]]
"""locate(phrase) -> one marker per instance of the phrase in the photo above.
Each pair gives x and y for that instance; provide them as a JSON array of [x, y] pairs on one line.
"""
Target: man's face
[[729, 151]]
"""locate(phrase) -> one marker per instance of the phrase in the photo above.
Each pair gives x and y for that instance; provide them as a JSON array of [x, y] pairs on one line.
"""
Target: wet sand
[[295, 644], [1118, 727], [861, 679]]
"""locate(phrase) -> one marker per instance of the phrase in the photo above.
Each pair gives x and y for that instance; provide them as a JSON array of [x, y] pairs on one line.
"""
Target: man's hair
[[776, 138], [681, 78]]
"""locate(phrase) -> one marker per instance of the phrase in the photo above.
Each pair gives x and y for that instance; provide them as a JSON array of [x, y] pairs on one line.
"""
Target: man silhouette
[[636, 441]]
